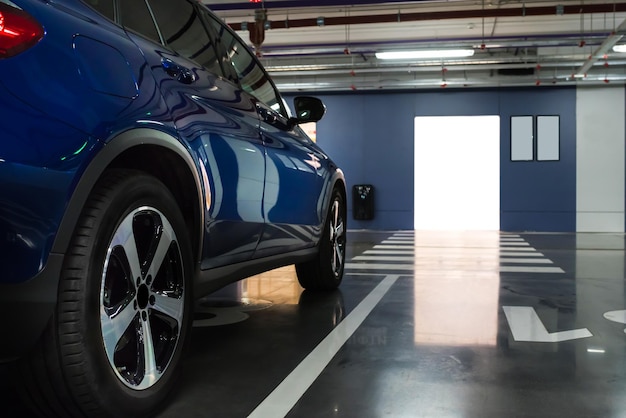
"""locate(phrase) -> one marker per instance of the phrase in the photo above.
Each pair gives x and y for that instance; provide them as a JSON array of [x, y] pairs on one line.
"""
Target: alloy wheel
[[337, 238], [142, 298]]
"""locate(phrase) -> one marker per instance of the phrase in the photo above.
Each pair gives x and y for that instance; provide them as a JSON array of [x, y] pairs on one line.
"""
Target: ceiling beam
[[603, 49]]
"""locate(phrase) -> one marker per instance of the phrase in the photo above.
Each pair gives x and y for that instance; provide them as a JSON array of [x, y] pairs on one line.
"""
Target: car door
[[294, 180], [219, 124], [295, 167]]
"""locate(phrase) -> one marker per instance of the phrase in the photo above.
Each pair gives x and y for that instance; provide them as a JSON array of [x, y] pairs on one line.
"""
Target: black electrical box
[[363, 202]]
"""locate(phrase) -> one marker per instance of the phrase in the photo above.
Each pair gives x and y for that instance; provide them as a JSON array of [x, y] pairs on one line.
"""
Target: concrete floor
[[425, 324]]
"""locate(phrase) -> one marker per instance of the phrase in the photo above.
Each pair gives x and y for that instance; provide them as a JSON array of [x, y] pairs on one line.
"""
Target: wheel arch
[[153, 152], [338, 181]]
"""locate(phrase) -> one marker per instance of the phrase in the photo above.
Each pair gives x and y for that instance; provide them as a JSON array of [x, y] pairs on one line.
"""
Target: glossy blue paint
[[220, 126], [104, 68], [85, 88], [295, 168]]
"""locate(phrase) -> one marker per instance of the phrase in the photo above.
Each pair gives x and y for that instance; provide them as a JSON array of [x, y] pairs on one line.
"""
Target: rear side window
[[135, 15], [105, 7], [184, 32], [251, 75]]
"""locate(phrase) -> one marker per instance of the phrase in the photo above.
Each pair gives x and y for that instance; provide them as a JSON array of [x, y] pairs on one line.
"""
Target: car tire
[[127, 274], [325, 271]]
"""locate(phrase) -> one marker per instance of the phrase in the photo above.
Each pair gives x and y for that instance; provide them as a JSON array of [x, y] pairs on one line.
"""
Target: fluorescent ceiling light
[[425, 54], [619, 48]]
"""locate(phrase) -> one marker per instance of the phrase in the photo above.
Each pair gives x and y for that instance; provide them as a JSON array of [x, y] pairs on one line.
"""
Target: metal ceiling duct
[[516, 58]]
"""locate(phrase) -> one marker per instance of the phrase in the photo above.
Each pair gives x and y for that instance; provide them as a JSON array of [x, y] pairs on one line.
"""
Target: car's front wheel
[[325, 271], [114, 345]]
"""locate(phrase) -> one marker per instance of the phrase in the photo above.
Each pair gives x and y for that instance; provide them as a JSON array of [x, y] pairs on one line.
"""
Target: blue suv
[[146, 160]]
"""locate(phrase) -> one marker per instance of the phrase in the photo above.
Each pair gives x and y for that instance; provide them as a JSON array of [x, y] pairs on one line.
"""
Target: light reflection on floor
[[279, 285], [437, 344]]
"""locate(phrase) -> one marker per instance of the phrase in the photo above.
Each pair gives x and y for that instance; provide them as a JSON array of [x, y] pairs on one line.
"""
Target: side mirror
[[308, 109]]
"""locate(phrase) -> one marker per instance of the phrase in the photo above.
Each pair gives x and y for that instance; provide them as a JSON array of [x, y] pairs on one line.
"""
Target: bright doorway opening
[[457, 173]]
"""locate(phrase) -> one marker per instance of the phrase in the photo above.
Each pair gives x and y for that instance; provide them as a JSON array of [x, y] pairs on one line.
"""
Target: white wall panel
[[600, 172]]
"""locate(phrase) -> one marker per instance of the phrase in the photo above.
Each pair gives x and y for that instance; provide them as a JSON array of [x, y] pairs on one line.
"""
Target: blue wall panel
[[538, 195], [370, 135]]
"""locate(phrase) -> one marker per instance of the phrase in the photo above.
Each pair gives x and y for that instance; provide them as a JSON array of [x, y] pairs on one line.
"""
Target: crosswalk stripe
[[395, 247], [401, 252], [382, 252], [529, 269], [422, 260], [366, 266], [410, 267], [382, 258], [526, 260], [522, 254]]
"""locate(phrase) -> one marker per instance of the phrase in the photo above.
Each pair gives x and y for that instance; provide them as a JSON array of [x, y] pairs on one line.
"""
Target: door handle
[[180, 73]]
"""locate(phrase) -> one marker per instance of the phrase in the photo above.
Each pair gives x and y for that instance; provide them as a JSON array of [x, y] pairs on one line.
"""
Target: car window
[[184, 32], [135, 15], [250, 74], [105, 7]]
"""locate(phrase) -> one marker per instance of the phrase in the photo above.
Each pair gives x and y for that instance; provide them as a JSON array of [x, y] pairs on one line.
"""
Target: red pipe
[[442, 15]]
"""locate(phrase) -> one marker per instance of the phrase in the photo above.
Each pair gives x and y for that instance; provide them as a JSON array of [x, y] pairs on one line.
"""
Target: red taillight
[[18, 31]]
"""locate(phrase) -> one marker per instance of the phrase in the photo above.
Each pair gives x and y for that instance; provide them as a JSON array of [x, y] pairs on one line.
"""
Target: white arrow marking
[[526, 326]]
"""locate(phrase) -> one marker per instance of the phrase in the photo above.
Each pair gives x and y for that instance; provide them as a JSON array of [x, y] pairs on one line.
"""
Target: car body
[[146, 160]]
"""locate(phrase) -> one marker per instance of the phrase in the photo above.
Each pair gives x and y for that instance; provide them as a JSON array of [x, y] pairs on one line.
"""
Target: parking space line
[[290, 390]]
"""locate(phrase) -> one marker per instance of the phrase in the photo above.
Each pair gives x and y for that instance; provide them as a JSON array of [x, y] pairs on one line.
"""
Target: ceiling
[[330, 45]]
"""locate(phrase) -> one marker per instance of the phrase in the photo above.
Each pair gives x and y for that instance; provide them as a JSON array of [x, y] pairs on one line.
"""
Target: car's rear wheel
[[114, 345], [325, 271]]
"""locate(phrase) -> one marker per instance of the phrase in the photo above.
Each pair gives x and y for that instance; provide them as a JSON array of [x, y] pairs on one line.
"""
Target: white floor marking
[[512, 255], [616, 316], [409, 267], [526, 260], [528, 269], [526, 325], [399, 252], [285, 396], [394, 247], [412, 259], [364, 266], [383, 258], [521, 254]]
